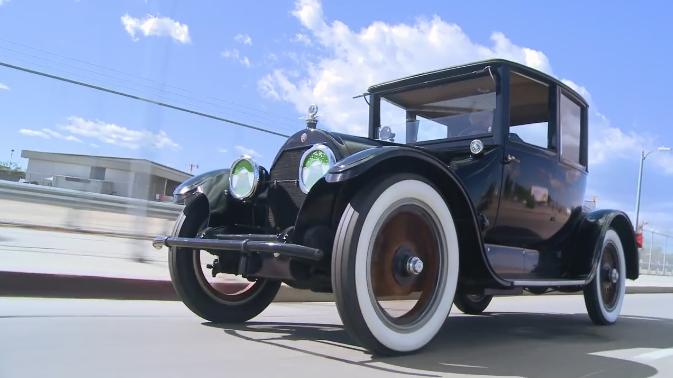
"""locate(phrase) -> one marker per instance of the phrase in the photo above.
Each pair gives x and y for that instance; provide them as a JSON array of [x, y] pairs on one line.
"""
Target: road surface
[[547, 336]]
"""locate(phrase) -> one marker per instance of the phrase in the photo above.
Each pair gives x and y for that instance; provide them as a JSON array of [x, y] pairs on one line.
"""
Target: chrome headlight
[[243, 178], [313, 165]]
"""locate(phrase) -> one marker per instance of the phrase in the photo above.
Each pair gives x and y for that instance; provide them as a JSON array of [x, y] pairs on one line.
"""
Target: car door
[[529, 212], [541, 190]]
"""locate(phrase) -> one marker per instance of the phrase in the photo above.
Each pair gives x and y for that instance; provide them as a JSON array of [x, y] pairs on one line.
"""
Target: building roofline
[[66, 157]]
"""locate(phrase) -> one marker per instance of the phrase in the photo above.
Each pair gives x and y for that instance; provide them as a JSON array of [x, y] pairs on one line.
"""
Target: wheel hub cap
[[610, 276], [614, 276], [414, 266]]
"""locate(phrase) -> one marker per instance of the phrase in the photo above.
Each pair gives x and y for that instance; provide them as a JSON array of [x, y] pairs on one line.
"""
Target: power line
[[139, 98], [229, 103]]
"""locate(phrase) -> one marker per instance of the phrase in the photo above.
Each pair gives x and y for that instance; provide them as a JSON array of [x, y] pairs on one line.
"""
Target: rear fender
[[331, 194], [586, 255]]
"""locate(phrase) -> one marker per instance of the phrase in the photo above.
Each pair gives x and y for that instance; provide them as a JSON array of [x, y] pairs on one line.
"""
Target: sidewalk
[[57, 264], [48, 263]]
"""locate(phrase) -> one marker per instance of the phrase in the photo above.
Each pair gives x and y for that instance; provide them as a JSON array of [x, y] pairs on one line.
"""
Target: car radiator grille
[[286, 197]]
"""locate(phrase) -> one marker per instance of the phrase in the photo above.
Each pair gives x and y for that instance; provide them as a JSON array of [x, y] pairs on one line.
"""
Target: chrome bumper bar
[[242, 245]]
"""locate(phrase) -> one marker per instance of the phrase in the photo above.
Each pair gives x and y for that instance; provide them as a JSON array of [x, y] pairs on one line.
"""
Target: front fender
[[350, 174], [212, 184], [358, 163], [587, 252]]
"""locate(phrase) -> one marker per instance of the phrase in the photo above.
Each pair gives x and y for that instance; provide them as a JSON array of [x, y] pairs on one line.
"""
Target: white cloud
[[579, 89], [3, 2], [244, 39], [609, 143], [155, 26], [345, 62], [247, 151], [34, 133], [378, 52], [3, 87], [302, 38], [47, 133], [222, 150], [118, 135], [235, 55], [79, 128]]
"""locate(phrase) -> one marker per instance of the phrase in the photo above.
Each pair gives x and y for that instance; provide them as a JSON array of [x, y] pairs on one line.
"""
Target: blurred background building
[[126, 177]]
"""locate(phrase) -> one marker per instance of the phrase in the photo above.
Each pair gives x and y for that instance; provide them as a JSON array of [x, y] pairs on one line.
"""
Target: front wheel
[[395, 265], [604, 295], [223, 298]]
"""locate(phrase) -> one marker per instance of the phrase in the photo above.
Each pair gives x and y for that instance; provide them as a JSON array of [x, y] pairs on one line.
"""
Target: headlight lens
[[243, 178], [314, 163]]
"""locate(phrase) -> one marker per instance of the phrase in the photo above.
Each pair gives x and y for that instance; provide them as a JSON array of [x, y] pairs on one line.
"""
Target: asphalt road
[[548, 336]]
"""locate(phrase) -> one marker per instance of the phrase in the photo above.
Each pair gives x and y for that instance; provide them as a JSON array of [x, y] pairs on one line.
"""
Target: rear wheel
[[472, 303], [604, 295], [222, 299], [395, 265]]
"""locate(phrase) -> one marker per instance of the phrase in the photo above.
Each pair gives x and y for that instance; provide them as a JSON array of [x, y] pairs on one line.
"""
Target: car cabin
[[528, 182]]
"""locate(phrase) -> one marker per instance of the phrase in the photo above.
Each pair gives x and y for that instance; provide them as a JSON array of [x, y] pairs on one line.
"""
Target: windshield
[[459, 109]]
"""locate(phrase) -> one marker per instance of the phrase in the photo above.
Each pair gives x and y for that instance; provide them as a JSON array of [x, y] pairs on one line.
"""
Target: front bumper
[[245, 244]]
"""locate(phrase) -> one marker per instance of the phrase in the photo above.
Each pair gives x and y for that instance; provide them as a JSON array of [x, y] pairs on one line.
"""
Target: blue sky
[[263, 63]]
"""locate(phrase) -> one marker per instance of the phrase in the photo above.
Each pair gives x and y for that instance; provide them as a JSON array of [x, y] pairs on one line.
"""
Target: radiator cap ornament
[[312, 116]]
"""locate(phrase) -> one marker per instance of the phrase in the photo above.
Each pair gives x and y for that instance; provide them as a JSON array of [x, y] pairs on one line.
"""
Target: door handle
[[511, 158]]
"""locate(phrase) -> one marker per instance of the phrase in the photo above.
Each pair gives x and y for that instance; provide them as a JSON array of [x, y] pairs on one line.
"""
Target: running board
[[547, 283]]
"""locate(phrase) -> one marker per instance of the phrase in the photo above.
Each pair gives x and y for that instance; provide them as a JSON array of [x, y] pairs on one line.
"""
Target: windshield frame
[[489, 138]]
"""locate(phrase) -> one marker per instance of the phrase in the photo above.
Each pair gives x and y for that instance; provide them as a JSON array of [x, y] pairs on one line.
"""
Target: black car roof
[[430, 76]]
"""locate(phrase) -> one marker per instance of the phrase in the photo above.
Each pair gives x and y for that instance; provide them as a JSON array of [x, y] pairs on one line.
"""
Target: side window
[[571, 129], [529, 111]]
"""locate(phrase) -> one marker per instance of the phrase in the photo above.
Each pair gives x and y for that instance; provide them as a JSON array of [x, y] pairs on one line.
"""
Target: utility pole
[[11, 156], [192, 167]]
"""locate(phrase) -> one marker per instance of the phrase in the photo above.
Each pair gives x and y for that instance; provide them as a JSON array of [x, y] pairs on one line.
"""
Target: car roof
[[430, 76]]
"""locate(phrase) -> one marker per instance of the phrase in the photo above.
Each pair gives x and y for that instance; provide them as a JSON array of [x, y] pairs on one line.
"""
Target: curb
[[45, 285]]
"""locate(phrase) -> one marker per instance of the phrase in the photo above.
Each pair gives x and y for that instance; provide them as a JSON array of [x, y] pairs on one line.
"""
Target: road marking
[[465, 366], [655, 355]]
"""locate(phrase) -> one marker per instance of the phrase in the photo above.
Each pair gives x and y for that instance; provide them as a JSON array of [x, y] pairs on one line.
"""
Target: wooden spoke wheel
[[395, 264], [604, 295]]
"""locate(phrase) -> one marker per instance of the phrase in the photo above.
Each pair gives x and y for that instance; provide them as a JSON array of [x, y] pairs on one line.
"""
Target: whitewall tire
[[395, 265], [604, 295]]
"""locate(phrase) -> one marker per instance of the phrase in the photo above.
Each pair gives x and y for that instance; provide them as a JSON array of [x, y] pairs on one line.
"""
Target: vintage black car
[[470, 184]]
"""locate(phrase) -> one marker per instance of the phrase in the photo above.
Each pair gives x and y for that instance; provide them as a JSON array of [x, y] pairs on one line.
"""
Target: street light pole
[[640, 184], [643, 156]]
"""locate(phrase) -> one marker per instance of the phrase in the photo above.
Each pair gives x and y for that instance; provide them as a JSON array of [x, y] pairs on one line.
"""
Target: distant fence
[[86, 200], [656, 256]]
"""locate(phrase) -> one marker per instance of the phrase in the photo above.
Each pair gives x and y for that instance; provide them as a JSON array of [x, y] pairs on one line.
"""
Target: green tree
[[11, 171]]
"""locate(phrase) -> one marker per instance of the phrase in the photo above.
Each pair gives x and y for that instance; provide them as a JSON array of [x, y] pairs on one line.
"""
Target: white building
[[137, 178]]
